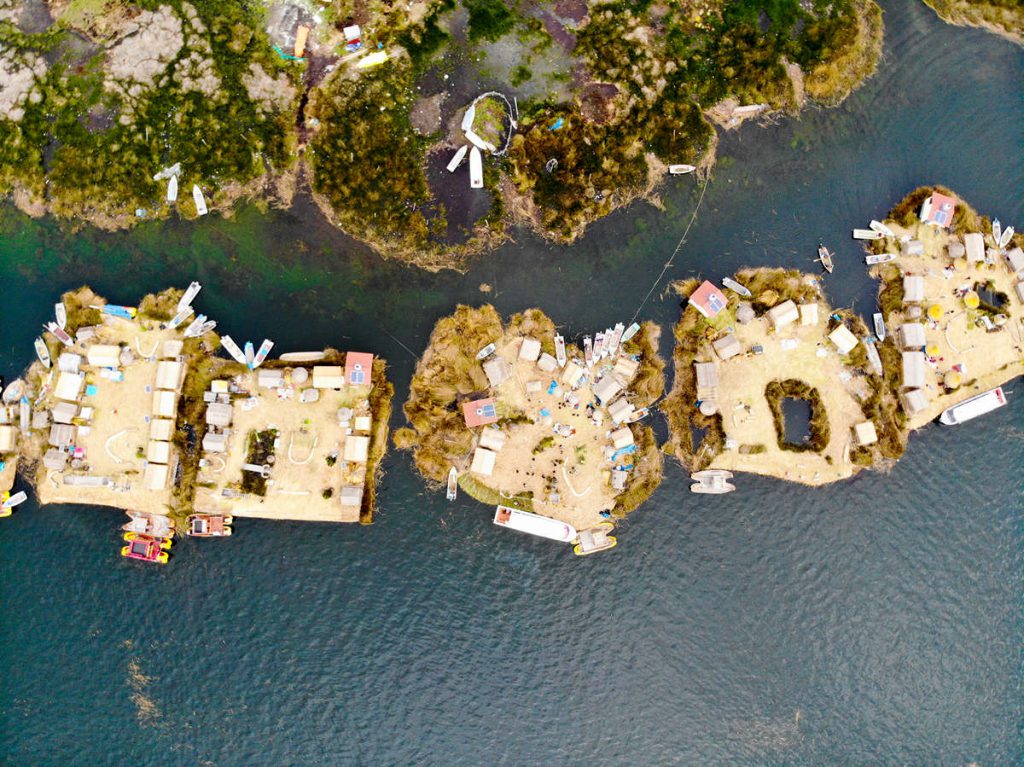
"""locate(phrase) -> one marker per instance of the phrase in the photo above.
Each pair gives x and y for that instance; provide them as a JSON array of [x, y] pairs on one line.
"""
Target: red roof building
[[479, 412], [708, 300], [938, 209], [358, 368]]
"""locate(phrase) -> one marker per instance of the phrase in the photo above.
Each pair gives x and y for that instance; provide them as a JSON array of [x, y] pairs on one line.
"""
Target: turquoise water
[[875, 622]]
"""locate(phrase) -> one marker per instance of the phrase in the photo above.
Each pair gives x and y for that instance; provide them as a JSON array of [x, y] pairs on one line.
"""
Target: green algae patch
[[1003, 17]]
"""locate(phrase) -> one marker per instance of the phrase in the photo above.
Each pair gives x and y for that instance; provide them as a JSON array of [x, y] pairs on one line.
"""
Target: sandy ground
[[584, 488], [990, 357], [119, 428], [307, 434], [747, 418]]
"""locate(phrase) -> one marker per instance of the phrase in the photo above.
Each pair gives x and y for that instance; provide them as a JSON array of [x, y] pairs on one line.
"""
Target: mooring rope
[[669, 264]]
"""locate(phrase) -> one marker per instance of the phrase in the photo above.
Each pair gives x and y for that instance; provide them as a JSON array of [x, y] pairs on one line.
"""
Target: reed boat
[[978, 405], [878, 226], [866, 234], [486, 352], [453, 484], [736, 287], [825, 258], [60, 313], [880, 258], [681, 169], [560, 350], [879, 320], [457, 159], [42, 352], [199, 200]]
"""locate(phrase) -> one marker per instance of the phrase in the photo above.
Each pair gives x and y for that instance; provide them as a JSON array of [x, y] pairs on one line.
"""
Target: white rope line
[[669, 264]]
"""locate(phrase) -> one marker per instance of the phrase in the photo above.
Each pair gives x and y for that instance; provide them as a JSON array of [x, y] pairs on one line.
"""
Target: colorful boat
[[681, 169], [60, 313], [825, 258], [882, 229], [980, 404], [172, 189], [209, 525], [164, 543], [262, 353], [631, 331], [60, 333], [42, 352], [534, 524], [736, 287], [250, 354], [636, 415], [594, 540], [115, 310], [147, 523], [879, 322], [560, 350], [866, 234], [880, 258], [145, 551], [236, 354], [453, 483], [199, 200], [613, 345], [457, 159]]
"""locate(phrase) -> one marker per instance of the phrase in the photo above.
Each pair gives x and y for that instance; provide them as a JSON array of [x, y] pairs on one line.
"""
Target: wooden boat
[[880, 258], [453, 484], [1007, 236], [560, 350], [873, 359], [476, 169], [209, 525], [631, 331], [588, 350], [8, 501], [879, 321], [997, 232], [60, 333], [486, 352], [189, 296], [457, 159], [42, 352], [980, 404], [236, 354], [825, 258], [200, 201], [866, 234], [594, 540], [617, 332], [681, 170], [712, 482], [301, 356], [736, 287], [172, 189], [60, 313], [14, 391], [262, 353], [882, 229]]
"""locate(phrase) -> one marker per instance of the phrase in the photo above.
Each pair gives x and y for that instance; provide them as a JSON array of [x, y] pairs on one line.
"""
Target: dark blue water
[[874, 622]]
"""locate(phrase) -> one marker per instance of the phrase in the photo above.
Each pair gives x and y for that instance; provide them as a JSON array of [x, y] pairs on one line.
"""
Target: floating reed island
[[549, 432], [947, 334], [131, 407]]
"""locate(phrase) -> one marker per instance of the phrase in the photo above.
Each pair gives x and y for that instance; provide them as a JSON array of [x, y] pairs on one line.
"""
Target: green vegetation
[[545, 444], [380, 413], [1004, 17], [489, 19], [648, 467], [260, 452], [820, 431]]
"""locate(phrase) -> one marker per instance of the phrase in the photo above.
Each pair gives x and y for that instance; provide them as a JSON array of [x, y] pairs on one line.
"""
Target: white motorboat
[[453, 484], [560, 350], [172, 189], [190, 293], [588, 350], [736, 287], [200, 201], [973, 407], [997, 232], [879, 321], [1006, 237], [631, 331], [613, 345], [457, 159], [881, 228], [194, 330], [866, 234], [42, 352], [61, 334], [60, 313], [236, 354], [476, 169], [681, 170], [250, 353], [262, 353]]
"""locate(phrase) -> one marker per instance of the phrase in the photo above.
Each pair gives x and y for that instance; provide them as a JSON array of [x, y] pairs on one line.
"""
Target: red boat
[[146, 550], [209, 525]]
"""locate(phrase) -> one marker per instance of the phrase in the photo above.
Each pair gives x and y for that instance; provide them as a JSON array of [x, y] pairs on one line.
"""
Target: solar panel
[[715, 302], [486, 411], [358, 376]]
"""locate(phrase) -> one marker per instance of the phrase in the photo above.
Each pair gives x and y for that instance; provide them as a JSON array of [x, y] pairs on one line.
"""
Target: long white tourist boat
[[534, 524], [983, 403]]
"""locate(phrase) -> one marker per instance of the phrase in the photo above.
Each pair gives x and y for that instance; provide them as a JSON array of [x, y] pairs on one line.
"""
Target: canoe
[[825, 258], [42, 352], [486, 352], [13, 392], [476, 169], [457, 159], [866, 234], [879, 321], [262, 353], [200, 201], [172, 189], [736, 287], [681, 170], [560, 350], [881, 258], [878, 226], [60, 313], [453, 483]]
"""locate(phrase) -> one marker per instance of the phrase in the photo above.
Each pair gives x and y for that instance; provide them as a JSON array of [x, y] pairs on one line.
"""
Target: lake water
[[878, 621]]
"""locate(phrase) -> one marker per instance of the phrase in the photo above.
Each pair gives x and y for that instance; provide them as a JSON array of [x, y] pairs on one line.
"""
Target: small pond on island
[[796, 414]]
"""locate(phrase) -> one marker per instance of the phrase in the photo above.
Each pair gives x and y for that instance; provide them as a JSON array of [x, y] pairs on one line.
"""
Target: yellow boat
[[595, 539], [146, 551], [165, 543]]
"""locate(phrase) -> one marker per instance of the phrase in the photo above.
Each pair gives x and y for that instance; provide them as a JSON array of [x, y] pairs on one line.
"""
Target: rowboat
[[681, 170], [997, 232], [588, 350], [881, 258], [631, 331], [453, 483], [189, 296], [42, 352], [973, 407], [236, 354], [172, 189], [262, 353], [61, 334], [560, 350], [873, 359], [200, 201], [486, 352], [1007, 236], [878, 226], [825, 258], [13, 392], [476, 169], [60, 313], [457, 159], [10, 501], [182, 315], [736, 287], [879, 321], [866, 234]]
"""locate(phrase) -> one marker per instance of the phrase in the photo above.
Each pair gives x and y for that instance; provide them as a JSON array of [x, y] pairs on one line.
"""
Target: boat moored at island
[[867, 234], [486, 352], [534, 524], [971, 408], [879, 321], [736, 287], [882, 229], [42, 352], [209, 525], [825, 258], [595, 539], [199, 200], [879, 258], [60, 313], [560, 350], [145, 550], [712, 482], [1007, 235], [681, 169], [457, 159], [453, 484], [476, 169], [631, 331], [172, 189]]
